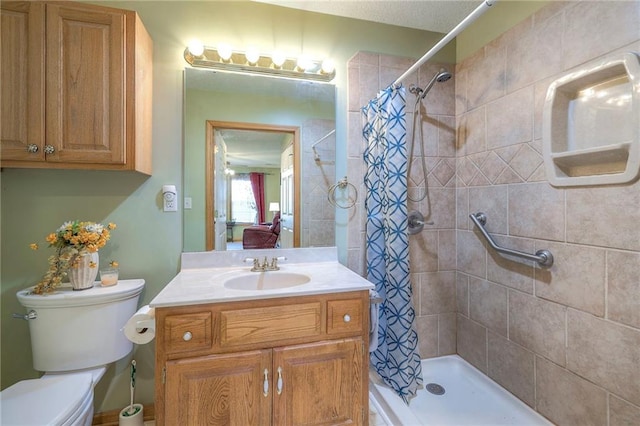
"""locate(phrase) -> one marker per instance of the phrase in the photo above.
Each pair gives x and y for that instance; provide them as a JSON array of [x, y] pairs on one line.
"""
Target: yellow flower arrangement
[[72, 240]]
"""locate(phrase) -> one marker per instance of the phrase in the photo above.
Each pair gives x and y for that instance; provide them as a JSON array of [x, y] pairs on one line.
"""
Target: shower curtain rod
[[323, 138], [447, 38]]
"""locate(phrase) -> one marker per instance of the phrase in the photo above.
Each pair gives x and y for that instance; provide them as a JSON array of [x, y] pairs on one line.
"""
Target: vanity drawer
[[270, 324], [188, 332], [344, 316]]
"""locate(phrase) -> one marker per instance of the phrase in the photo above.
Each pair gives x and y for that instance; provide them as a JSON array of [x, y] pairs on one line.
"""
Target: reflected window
[[243, 204]]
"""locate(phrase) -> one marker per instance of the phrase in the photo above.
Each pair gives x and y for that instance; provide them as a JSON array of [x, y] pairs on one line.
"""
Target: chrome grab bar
[[543, 257]]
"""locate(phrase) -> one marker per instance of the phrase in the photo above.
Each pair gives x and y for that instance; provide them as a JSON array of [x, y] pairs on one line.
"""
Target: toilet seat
[[50, 400]]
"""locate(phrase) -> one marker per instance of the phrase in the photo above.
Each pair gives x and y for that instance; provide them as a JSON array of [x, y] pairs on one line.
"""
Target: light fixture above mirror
[[223, 58]]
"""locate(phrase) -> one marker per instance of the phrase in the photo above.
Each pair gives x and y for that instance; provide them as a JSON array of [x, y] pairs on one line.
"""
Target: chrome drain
[[435, 389]]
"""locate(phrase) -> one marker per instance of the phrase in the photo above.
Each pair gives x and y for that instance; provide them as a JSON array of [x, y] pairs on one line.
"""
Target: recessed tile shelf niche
[[591, 123]]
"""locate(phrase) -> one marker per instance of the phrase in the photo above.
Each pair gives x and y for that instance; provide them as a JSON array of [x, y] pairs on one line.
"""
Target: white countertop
[[202, 277]]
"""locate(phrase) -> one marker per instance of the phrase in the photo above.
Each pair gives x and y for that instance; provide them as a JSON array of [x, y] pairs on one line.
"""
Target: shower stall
[[565, 339]]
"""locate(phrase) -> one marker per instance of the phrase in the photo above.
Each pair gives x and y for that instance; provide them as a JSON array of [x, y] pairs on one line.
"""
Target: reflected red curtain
[[257, 185]]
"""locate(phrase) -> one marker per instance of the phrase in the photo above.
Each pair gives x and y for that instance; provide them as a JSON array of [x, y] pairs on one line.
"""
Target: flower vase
[[84, 275]]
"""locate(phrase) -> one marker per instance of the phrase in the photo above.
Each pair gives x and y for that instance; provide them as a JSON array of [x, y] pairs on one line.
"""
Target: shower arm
[[543, 257]]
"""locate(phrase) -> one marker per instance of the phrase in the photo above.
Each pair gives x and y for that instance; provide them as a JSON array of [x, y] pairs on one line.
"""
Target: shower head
[[441, 76]]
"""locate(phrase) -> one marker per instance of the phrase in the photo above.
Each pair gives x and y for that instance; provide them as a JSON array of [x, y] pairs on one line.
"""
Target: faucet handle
[[274, 262]]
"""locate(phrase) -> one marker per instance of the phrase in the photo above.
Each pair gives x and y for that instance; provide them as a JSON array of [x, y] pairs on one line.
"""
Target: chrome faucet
[[265, 265]]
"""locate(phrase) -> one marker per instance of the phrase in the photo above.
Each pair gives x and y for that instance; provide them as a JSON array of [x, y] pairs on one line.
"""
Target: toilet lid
[[46, 401]]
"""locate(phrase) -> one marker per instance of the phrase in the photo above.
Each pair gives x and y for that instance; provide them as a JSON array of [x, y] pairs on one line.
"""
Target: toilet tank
[[80, 329]]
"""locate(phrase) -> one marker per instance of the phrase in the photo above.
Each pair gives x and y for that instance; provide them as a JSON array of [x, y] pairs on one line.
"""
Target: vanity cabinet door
[[22, 82], [219, 390], [319, 384]]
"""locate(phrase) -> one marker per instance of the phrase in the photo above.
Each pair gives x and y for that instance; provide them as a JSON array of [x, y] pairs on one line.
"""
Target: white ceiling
[[430, 15]]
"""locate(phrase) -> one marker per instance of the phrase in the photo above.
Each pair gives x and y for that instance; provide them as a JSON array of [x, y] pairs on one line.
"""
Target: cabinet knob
[[32, 148], [187, 336], [49, 149], [346, 318]]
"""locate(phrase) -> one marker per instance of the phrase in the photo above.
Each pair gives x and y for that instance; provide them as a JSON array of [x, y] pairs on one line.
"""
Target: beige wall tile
[[605, 216], [510, 119], [462, 209], [471, 254], [353, 71], [423, 251], [369, 83], [427, 329], [492, 201], [567, 399], [512, 366], [536, 210], [447, 334], [526, 161], [446, 136], [523, 56], [537, 325], [437, 292], [595, 28], [447, 250], [621, 413], [441, 202], [472, 342], [472, 135], [488, 305], [605, 353], [486, 76], [576, 278], [623, 289], [462, 293]]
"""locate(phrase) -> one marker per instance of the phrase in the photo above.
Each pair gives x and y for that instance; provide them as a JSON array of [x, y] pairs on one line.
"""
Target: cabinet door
[[219, 390], [86, 84], [321, 384], [22, 80]]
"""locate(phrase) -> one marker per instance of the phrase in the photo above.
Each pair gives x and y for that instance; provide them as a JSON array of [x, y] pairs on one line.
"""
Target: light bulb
[[304, 63], [278, 59], [196, 48], [225, 51], [252, 55], [328, 66]]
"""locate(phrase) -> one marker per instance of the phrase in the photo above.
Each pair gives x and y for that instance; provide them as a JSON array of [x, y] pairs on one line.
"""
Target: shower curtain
[[396, 358]]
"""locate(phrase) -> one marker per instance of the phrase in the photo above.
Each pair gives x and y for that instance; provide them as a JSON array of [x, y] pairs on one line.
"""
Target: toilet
[[74, 336]]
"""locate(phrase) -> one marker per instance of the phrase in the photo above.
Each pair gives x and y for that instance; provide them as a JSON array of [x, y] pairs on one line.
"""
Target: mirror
[[223, 103]]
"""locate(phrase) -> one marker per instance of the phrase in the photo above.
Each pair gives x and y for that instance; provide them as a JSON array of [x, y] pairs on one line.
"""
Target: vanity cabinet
[[283, 361], [76, 87]]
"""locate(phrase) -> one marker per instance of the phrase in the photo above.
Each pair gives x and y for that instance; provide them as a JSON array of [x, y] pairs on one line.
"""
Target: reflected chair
[[262, 236]]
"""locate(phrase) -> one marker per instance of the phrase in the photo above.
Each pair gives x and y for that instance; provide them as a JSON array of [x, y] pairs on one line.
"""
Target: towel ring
[[342, 184]]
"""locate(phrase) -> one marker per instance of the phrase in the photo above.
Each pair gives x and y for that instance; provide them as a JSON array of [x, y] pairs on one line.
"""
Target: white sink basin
[[270, 280]]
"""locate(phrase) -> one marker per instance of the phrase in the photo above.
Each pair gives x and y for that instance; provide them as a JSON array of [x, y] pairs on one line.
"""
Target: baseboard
[[112, 418]]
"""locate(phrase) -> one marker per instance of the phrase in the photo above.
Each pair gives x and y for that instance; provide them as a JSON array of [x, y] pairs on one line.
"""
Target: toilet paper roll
[[141, 327]]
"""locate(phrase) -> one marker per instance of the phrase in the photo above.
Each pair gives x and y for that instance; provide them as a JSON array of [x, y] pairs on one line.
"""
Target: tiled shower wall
[[565, 340], [317, 216], [432, 251]]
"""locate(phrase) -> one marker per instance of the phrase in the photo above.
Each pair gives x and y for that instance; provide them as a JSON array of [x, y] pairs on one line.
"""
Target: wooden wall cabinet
[[287, 361], [76, 87]]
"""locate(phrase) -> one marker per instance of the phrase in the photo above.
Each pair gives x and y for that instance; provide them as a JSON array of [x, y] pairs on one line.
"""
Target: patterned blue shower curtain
[[396, 359]]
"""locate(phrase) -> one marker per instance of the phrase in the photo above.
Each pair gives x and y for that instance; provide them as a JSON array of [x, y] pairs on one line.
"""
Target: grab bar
[[543, 257]]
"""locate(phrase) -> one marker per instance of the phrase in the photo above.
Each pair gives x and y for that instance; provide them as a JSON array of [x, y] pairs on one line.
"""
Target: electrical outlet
[[187, 202], [170, 199]]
